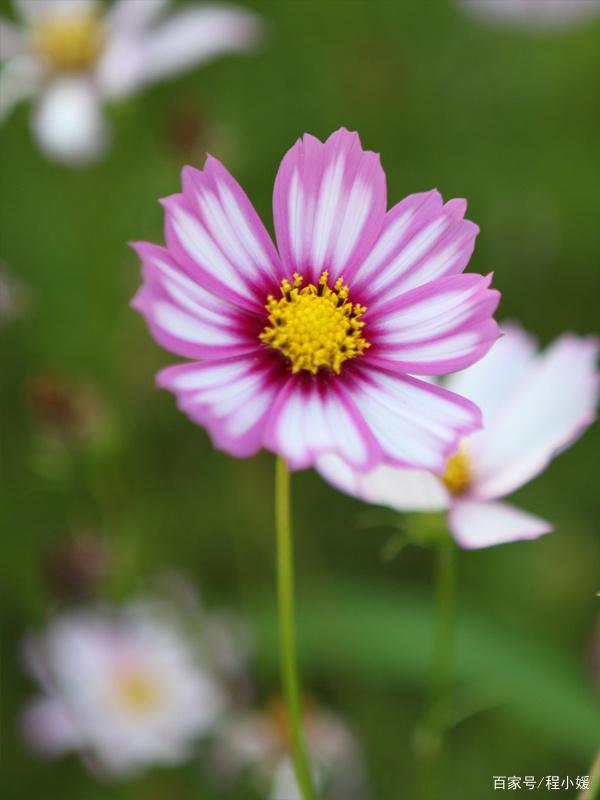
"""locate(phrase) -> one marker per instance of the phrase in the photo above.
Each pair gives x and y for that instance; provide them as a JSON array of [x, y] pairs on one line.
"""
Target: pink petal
[[439, 327], [329, 204], [137, 53], [421, 240], [231, 398], [47, 728], [216, 235], [182, 316], [120, 70], [12, 42], [311, 418], [415, 423], [132, 15], [20, 78], [549, 409], [401, 489], [195, 35], [32, 11], [532, 14], [490, 382], [477, 524]]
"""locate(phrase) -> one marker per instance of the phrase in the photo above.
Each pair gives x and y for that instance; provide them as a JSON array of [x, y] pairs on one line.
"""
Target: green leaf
[[383, 636]]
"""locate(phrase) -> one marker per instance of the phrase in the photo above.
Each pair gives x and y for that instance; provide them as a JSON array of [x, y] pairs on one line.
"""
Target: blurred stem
[[593, 793], [287, 637], [430, 736]]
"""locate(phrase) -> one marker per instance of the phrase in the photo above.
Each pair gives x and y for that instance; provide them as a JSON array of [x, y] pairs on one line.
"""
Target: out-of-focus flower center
[[137, 691], [69, 43], [315, 326], [457, 477], [277, 714]]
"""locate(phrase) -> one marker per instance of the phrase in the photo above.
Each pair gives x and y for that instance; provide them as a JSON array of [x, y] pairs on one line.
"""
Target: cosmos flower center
[[458, 474], [69, 43], [137, 691], [315, 326]]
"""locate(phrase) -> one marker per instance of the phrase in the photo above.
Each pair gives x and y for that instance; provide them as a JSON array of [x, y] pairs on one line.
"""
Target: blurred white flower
[[259, 742], [71, 55], [125, 688], [225, 642], [536, 14]]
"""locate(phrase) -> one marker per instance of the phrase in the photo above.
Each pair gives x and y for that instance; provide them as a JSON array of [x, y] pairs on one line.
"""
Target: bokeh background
[[507, 118]]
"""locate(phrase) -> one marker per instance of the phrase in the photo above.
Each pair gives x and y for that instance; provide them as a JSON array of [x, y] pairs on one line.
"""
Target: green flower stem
[[430, 737], [285, 592], [593, 793], [445, 600]]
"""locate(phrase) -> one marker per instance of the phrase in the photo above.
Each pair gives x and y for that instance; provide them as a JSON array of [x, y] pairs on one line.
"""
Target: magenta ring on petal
[[314, 346]]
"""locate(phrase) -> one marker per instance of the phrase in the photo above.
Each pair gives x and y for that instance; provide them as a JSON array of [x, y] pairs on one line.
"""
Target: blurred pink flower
[[67, 412], [259, 741], [124, 688], [535, 14], [288, 357], [534, 405], [74, 54], [15, 300]]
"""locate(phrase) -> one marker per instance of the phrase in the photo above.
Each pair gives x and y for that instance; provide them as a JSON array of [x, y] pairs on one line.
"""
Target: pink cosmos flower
[[534, 405], [311, 348]]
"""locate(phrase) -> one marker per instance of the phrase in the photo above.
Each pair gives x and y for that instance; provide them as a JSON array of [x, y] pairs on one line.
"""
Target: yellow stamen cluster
[[315, 326], [137, 692], [69, 43], [457, 476]]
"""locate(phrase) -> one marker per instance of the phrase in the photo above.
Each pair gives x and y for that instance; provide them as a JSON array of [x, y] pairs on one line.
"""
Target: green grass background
[[509, 120]]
